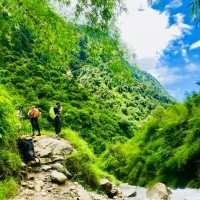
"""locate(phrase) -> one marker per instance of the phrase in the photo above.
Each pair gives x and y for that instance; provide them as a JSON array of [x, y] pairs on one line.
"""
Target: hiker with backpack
[[34, 113], [21, 116], [57, 120]]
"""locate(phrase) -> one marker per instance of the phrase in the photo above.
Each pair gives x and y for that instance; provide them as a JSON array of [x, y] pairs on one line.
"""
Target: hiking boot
[[39, 134]]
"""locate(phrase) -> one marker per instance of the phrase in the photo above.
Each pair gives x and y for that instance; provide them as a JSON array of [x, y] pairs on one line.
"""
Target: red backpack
[[34, 113]]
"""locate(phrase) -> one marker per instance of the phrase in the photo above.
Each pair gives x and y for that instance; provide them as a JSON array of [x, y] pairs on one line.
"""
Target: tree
[[99, 14], [195, 11], [198, 83]]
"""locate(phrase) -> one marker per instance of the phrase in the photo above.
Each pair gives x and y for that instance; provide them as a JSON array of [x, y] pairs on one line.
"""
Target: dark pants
[[57, 124], [35, 125]]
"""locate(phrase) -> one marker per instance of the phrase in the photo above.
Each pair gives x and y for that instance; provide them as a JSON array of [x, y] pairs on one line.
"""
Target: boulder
[[58, 177], [60, 168], [128, 190], [109, 188], [98, 196], [51, 149], [46, 168], [83, 194], [158, 192], [106, 185]]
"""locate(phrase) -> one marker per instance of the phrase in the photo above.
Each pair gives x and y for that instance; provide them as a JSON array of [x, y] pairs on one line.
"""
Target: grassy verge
[[83, 163], [8, 188]]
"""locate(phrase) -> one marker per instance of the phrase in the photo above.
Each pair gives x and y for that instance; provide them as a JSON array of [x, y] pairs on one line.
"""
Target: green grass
[[8, 188], [83, 163]]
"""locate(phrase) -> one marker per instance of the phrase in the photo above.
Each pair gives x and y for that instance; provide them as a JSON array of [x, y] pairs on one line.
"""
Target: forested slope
[[10, 161], [166, 149], [45, 59]]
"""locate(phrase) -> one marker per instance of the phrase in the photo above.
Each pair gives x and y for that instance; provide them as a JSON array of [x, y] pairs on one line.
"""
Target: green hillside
[[9, 158], [44, 60], [110, 103], [166, 149]]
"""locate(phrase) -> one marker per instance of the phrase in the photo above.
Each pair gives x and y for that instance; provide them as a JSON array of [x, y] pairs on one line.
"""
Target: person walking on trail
[[34, 113], [21, 116], [57, 121], [20, 113]]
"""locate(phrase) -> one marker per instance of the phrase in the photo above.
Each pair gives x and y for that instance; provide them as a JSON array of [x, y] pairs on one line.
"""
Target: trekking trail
[[49, 179]]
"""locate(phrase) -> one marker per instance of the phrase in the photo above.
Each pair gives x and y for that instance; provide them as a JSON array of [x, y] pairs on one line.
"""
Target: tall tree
[[99, 14]]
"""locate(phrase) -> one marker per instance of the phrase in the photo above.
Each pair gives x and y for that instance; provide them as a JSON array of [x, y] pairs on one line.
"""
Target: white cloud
[[147, 64], [148, 32], [174, 92], [192, 67], [184, 54], [195, 45], [163, 74], [166, 75], [175, 4]]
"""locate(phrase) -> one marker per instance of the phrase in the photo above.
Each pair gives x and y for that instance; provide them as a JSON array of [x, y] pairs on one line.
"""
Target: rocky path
[[50, 180]]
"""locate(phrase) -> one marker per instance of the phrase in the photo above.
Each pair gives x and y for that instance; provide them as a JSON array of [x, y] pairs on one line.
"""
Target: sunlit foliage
[[166, 149]]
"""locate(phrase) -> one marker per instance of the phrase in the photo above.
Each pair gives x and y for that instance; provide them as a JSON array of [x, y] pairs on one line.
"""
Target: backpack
[[34, 113], [26, 149], [51, 112]]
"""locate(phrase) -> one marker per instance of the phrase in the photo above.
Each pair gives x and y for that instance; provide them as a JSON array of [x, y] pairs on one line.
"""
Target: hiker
[[34, 113], [57, 121], [26, 149], [20, 113], [21, 116]]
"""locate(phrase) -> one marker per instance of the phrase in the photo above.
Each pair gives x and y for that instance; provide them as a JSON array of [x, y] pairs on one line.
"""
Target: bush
[[83, 163], [8, 188], [10, 161]]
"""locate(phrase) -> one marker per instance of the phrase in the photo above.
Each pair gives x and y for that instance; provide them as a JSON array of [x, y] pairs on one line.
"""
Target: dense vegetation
[[85, 70], [166, 150], [45, 59], [9, 158]]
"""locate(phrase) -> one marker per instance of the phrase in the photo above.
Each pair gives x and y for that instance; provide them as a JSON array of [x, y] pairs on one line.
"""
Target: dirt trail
[[49, 180]]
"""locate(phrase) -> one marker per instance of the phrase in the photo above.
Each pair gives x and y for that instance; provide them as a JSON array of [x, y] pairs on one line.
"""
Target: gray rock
[[46, 167], [58, 177], [30, 177], [83, 194], [37, 188], [39, 182], [51, 149], [106, 185], [45, 153], [128, 190], [98, 196], [73, 194], [60, 168], [45, 160], [31, 186], [158, 192], [24, 184], [109, 188]]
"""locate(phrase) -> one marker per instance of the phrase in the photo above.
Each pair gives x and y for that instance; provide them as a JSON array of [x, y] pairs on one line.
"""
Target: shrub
[[9, 158], [8, 188], [83, 163]]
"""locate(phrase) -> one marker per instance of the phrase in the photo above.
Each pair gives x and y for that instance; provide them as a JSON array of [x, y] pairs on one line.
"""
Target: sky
[[166, 42]]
